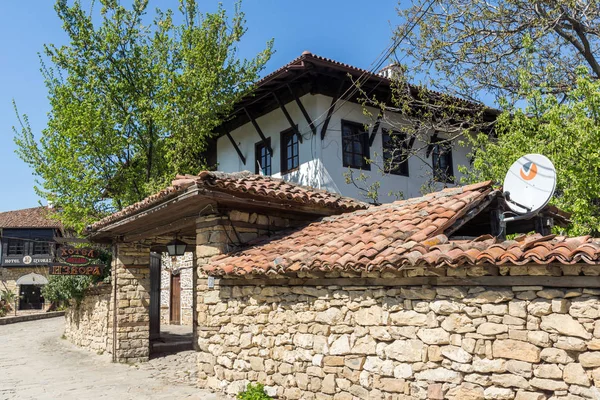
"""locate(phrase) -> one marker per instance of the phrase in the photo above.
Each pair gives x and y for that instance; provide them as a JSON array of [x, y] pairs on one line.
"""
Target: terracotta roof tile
[[403, 234], [37, 217], [241, 184], [391, 235]]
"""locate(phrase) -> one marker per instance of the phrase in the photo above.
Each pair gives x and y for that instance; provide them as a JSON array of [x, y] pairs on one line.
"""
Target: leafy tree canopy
[[133, 101], [567, 132]]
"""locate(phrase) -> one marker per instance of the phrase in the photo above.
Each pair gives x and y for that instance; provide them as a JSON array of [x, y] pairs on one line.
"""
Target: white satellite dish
[[529, 184]]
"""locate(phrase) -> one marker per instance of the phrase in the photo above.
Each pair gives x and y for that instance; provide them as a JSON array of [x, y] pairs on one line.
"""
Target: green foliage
[[567, 132], [8, 296], [134, 100], [254, 392], [7, 301], [61, 289]]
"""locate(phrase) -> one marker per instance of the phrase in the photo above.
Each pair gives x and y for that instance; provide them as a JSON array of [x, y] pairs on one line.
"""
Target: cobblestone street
[[35, 363]]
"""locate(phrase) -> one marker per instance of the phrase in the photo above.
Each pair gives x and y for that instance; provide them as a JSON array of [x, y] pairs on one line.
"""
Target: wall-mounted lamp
[[176, 247]]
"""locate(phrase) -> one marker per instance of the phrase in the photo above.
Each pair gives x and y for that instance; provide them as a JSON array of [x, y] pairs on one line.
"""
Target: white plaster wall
[[321, 163], [419, 172]]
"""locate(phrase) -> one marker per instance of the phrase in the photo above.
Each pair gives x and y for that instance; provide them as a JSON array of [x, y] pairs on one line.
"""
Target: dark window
[[16, 247], [441, 159], [41, 248], [289, 151], [263, 157], [355, 145], [395, 152]]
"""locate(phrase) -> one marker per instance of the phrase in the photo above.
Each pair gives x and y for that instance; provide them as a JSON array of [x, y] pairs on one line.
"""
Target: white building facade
[[289, 129]]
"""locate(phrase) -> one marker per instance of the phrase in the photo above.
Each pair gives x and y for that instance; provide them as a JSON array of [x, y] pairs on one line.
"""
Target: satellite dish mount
[[528, 187]]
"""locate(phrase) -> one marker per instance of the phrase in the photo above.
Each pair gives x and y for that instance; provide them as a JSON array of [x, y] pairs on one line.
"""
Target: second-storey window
[[16, 247], [263, 157], [290, 158], [41, 247], [395, 152], [355, 145], [441, 160]]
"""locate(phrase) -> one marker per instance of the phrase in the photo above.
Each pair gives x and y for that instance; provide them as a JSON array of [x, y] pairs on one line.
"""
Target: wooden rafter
[[288, 117], [313, 128], [237, 149], [331, 108], [259, 131], [375, 128]]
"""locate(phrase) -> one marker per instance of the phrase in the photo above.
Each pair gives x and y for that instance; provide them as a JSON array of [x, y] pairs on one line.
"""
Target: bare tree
[[470, 47]]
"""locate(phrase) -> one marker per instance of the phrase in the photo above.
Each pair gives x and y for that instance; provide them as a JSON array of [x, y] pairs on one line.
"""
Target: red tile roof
[[242, 184], [37, 217], [411, 233], [390, 235]]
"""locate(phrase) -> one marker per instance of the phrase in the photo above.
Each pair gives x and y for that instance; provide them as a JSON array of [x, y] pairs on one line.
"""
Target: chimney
[[391, 71]]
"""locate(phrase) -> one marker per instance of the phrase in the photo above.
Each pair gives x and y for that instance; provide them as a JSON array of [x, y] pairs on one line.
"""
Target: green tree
[[134, 100], [566, 130], [474, 47]]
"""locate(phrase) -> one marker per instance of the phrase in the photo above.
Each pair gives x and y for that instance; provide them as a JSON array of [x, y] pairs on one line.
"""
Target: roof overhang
[[317, 75], [178, 214]]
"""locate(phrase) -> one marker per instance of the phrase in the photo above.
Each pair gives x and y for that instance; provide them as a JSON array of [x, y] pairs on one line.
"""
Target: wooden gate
[[175, 299], [154, 295]]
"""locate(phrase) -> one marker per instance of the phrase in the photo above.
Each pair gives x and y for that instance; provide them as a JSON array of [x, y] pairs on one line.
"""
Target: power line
[[374, 66]]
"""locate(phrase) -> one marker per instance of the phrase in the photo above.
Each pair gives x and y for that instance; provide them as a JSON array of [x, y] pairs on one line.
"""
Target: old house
[[27, 240], [306, 123], [320, 296]]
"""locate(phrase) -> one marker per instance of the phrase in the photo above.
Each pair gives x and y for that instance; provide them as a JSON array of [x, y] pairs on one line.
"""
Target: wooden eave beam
[[331, 108], [259, 131], [237, 149], [375, 128], [288, 117], [313, 128]]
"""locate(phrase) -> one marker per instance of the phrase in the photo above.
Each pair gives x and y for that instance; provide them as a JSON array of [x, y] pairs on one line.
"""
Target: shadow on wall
[[312, 173]]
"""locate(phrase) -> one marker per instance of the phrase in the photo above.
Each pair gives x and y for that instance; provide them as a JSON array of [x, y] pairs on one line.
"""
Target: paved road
[[35, 363]]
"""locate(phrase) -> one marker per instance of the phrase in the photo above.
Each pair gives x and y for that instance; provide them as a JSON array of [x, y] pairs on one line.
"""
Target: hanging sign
[[77, 261]]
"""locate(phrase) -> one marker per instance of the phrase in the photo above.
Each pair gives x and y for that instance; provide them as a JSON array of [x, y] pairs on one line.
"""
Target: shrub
[[254, 392]]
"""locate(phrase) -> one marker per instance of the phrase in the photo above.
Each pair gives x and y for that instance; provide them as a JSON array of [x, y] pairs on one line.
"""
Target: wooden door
[[154, 295], [175, 300]]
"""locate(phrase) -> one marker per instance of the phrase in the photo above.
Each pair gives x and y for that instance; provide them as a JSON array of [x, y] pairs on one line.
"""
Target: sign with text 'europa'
[[77, 261]]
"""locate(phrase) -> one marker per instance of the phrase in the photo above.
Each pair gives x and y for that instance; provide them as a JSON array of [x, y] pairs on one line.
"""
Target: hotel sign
[[28, 260], [77, 261]]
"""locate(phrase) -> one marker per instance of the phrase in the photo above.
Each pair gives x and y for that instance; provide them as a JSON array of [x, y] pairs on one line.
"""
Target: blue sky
[[345, 30]]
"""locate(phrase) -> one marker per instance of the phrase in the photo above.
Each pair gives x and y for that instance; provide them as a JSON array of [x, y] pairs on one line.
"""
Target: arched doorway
[[30, 291]]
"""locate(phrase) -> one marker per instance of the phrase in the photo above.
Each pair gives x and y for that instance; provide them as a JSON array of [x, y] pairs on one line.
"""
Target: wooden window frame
[[258, 156], [18, 243], [402, 168], [284, 136], [436, 154], [362, 135]]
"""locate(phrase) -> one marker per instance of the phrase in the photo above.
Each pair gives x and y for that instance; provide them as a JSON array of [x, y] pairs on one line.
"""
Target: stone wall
[[131, 284], [89, 323], [402, 342]]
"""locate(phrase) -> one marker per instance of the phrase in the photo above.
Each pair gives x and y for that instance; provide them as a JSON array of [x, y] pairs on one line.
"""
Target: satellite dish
[[529, 184]]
